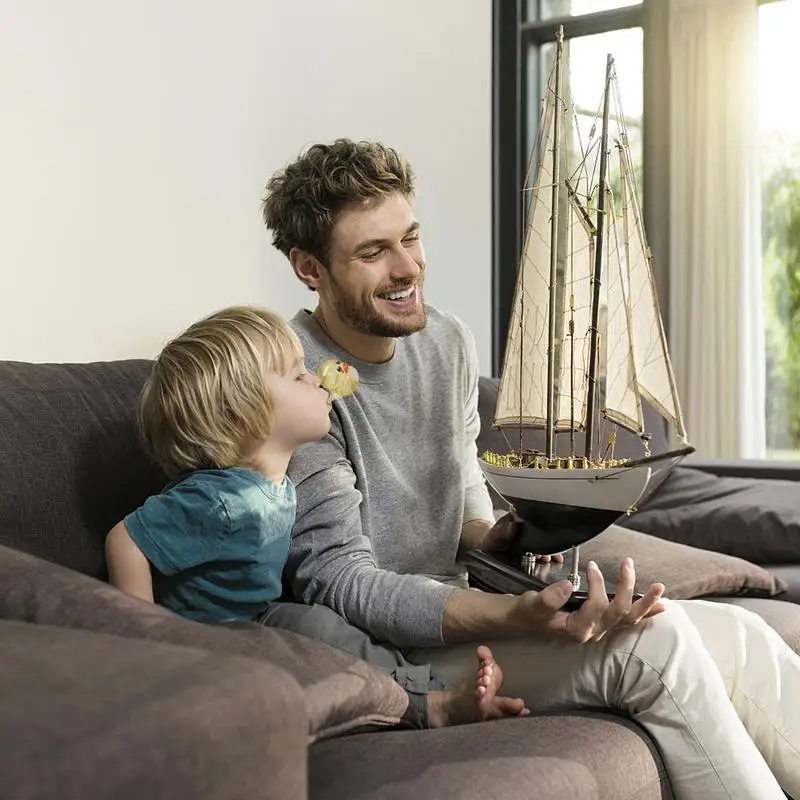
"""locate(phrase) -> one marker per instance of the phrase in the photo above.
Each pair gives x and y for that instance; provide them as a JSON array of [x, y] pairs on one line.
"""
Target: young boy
[[224, 408]]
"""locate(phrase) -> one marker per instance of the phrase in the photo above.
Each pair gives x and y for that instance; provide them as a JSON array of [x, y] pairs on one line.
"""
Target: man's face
[[376, 269]]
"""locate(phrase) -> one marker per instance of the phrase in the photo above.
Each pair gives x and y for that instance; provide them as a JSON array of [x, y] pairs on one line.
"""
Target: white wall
[[136, 137]]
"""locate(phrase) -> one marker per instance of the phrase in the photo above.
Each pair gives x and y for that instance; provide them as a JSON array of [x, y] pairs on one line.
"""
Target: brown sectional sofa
[[107, 697]]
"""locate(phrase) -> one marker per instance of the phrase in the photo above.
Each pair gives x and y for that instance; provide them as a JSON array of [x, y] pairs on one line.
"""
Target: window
[[524, 32], [547, 9], [779, 123], [586, 57], [523, 51]]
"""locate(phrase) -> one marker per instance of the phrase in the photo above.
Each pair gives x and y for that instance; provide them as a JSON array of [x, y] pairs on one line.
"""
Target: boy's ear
[[307, 267]]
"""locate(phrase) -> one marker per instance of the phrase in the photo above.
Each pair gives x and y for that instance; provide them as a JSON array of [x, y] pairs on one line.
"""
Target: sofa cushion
[[89, 715], [558, 757], [72, 462], [751, 518], [685, 571], [341, 692]]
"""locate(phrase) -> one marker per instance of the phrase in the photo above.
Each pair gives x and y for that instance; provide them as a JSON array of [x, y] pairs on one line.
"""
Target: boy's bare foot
[[475, 700]]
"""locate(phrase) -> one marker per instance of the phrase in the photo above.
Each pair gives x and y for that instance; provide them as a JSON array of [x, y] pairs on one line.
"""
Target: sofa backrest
[[72, 464]]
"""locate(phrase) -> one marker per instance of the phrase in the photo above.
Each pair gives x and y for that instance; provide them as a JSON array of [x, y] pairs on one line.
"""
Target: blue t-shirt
[[218, 540]]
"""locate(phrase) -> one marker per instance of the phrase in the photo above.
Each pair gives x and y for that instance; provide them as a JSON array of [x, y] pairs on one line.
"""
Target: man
[[388, 500]]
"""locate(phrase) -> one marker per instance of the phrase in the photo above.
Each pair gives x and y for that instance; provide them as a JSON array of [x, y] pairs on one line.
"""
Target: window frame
[[512, 34], [512, 119]]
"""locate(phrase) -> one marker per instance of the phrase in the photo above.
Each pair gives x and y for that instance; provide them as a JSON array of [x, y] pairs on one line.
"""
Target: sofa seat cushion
[[558, 757]]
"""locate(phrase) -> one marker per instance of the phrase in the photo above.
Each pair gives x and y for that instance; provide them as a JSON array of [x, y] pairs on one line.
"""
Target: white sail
[[574, 371], [653, 369], [622, 402], [522, 393]]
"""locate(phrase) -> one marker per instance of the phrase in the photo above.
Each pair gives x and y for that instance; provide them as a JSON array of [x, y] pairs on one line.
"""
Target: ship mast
[[591, 396], [551, 332]]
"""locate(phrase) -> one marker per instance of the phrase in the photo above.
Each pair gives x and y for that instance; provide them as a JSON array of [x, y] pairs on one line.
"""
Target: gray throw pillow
[[685, 571], [755, 519]]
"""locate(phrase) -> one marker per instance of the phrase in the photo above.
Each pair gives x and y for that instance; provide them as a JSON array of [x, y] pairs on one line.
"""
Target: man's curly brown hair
[[303, 201]]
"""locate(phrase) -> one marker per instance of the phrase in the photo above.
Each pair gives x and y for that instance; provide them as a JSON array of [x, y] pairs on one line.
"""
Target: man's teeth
[[399, 295]]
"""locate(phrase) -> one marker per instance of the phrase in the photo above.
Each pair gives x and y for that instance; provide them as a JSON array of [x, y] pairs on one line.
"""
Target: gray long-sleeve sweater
[[381, 500]]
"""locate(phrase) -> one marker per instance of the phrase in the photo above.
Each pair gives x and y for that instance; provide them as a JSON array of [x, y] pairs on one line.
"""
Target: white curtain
[[715, 298]]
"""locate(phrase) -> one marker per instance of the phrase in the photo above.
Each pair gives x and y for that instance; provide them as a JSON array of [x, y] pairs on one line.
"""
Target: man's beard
[[365, 318]]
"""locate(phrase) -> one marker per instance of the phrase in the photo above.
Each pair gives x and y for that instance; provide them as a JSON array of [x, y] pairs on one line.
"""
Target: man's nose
[[404, 265]]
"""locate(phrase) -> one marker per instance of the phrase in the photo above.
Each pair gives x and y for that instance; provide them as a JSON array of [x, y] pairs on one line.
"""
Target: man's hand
[[544, 610], [498, 537]]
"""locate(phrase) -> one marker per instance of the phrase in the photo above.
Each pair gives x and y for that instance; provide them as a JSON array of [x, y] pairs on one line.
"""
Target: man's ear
[[307, 267]]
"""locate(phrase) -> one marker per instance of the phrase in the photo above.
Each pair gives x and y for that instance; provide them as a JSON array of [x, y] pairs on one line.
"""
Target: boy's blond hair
[[206, 394]]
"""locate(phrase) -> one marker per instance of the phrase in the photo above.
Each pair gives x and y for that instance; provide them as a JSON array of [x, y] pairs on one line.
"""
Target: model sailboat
[[584, 279]]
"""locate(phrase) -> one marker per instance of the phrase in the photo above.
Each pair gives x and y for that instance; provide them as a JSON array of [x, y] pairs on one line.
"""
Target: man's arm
[[128, 569], [473, 534], [478, 511], [331, 561]]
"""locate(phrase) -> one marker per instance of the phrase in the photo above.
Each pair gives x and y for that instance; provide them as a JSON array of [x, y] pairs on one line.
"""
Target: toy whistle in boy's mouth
[[338, 377]]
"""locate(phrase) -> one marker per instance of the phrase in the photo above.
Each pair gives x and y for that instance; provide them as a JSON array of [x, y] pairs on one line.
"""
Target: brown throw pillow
[[342, 693], [685, 571]]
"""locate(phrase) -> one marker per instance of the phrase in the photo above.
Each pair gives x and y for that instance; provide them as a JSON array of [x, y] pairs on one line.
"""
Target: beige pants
[[713, 684]]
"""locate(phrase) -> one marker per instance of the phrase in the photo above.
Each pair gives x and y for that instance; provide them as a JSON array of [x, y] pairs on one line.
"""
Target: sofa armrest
[[87, 714], [747, 468], [340, 692]]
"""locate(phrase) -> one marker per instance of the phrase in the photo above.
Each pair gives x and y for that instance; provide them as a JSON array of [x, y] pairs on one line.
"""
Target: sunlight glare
[[778, 24]]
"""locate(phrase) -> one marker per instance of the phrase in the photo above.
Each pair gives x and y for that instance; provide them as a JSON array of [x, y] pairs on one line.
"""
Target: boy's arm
[[128, 569]]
